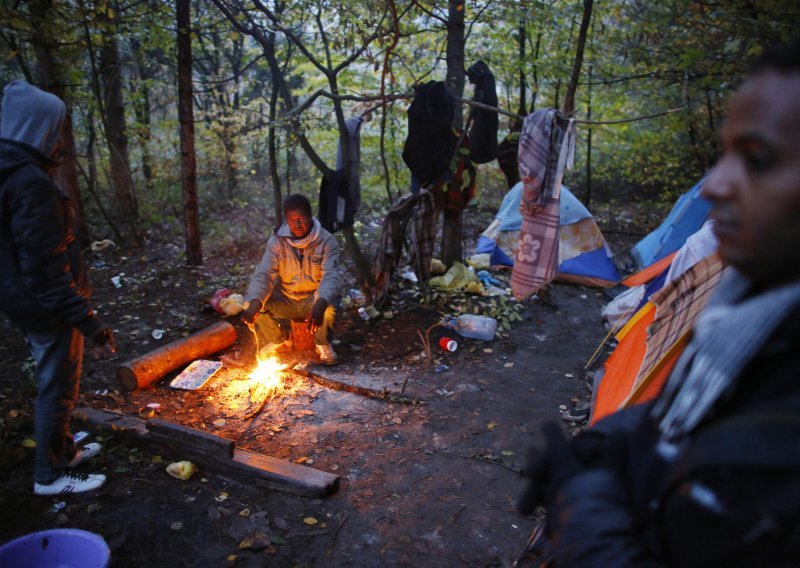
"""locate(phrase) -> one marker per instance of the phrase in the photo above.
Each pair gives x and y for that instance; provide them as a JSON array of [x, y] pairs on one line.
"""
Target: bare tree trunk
[[588, 196], [117, 136], [191, 216], [384, 163], [51, 79], [273, 156], [451, 233], [522, 40], [142, 110], [569, 99]]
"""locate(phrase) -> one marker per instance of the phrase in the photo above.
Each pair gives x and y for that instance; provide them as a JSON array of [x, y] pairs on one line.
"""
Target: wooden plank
[[206, 441], [243, 465], [110, 420]]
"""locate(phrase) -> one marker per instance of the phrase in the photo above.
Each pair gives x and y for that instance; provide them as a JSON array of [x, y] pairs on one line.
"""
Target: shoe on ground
[[576, 414], [285, 347], [327, 355], [84, 454], [71, 482]]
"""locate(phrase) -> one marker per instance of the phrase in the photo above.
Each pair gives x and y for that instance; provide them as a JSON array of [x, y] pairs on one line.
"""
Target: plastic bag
[[458, 277]]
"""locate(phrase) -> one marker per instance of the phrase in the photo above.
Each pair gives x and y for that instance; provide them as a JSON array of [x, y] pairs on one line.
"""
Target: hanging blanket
[[420, 210], [546, 147]]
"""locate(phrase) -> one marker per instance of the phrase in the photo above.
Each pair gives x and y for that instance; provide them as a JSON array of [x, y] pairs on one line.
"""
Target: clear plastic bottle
[[473, 326]]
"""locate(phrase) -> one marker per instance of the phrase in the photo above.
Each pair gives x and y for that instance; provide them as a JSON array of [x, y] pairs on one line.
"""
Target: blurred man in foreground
[[709, 473]]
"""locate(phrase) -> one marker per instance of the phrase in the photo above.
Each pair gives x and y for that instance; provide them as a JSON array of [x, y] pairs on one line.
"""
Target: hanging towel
[[547, 146]]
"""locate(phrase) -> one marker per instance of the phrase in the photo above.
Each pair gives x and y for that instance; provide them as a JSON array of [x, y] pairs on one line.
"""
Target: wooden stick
[[148, 368], [357, 389]]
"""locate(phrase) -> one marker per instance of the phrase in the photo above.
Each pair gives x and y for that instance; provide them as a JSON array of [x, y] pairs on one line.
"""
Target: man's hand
[[317, 315], [103, 343], [549, 468], [251, 313]]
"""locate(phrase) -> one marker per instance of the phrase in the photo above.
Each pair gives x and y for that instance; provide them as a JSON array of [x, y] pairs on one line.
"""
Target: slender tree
[[191, 215], [116, 129]]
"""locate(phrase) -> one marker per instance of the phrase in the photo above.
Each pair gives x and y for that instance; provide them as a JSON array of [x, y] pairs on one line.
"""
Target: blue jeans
[[273, 324], [58, 354]]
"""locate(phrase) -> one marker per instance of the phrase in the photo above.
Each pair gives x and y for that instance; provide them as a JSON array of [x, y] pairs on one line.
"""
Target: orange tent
[[651, 341]]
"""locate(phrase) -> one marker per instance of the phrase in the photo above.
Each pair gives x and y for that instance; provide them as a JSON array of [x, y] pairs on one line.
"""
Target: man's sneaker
[[285, 347], [84, 454], [71, 482], [327, 355]]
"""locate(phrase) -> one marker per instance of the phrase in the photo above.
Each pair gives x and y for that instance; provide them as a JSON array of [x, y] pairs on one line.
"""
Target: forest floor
[[431, 484]]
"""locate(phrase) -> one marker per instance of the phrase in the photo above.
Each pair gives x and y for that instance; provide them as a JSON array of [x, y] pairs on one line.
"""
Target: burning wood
[[267, 381]]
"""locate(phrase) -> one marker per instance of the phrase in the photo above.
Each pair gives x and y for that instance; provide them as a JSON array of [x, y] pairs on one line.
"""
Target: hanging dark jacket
[[483, 133], [43, 281], [430, 145]]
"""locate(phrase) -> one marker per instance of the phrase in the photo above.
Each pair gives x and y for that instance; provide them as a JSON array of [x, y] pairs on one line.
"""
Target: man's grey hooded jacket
[[43, 282], [299, 268]]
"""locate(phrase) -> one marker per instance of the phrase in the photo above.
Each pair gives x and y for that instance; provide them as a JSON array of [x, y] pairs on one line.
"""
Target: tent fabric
[[651, 341], [647, 273], [652, 278], [686, 217], [583, 254]]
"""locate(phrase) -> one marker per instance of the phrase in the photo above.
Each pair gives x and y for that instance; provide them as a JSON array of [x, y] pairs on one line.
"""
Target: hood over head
[[31, 116]]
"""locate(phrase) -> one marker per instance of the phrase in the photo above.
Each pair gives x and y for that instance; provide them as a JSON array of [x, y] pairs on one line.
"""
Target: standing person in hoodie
[[44, 288], [299, 276]]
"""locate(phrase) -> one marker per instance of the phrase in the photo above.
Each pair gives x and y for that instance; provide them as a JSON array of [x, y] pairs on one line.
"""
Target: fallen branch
[[517, 470], [356, 389], [336, 531]]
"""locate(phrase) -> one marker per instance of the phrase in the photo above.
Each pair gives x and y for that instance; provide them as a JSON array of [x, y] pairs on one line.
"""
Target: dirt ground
[[432, 484]]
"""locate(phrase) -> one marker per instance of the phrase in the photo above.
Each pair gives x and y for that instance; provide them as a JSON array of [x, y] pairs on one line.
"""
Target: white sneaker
[[71, 482], [327, 355], [84, 454]]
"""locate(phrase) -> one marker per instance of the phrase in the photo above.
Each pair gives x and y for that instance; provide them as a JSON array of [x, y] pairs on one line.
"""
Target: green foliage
[[641, 58]]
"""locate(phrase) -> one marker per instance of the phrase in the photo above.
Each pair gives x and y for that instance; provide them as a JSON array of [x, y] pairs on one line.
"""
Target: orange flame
[[268, 374]]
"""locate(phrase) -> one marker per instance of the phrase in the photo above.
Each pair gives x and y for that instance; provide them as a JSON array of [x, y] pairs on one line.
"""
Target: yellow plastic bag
[[458, 277]]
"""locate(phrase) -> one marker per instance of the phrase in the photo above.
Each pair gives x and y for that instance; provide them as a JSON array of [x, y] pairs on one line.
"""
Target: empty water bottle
[[474, 327]]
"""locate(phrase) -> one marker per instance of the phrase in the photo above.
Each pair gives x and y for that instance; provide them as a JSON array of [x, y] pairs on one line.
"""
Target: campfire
[[268, 375]]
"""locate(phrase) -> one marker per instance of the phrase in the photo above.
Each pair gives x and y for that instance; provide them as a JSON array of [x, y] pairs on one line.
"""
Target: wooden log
[[206, 441], [181, 442], [148, 368]]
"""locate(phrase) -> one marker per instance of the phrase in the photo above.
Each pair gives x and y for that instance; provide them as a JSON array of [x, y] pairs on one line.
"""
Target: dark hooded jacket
[[43, 281]]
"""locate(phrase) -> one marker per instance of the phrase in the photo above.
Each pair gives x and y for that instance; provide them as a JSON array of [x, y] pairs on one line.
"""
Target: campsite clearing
[[433, 483]]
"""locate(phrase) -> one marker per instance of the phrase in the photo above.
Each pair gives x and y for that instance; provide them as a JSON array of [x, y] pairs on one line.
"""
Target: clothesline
[[577, 121], [383, 99]]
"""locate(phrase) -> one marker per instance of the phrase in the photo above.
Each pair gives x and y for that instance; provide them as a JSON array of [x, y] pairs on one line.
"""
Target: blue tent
[[591, 267], [687, 216]]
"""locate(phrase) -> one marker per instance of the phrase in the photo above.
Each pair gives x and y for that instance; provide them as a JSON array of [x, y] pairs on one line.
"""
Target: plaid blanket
[[420, 210], [677, 306], [545, 148]]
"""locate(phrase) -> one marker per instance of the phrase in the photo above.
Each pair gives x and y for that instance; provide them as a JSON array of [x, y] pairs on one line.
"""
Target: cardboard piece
[[196, 374]]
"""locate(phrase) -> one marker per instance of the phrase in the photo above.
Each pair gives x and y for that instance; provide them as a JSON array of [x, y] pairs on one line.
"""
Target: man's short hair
[[783, 57], [295, 202]]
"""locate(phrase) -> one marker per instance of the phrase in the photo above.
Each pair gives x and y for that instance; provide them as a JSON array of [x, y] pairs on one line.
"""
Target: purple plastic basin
[[56, 548]]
